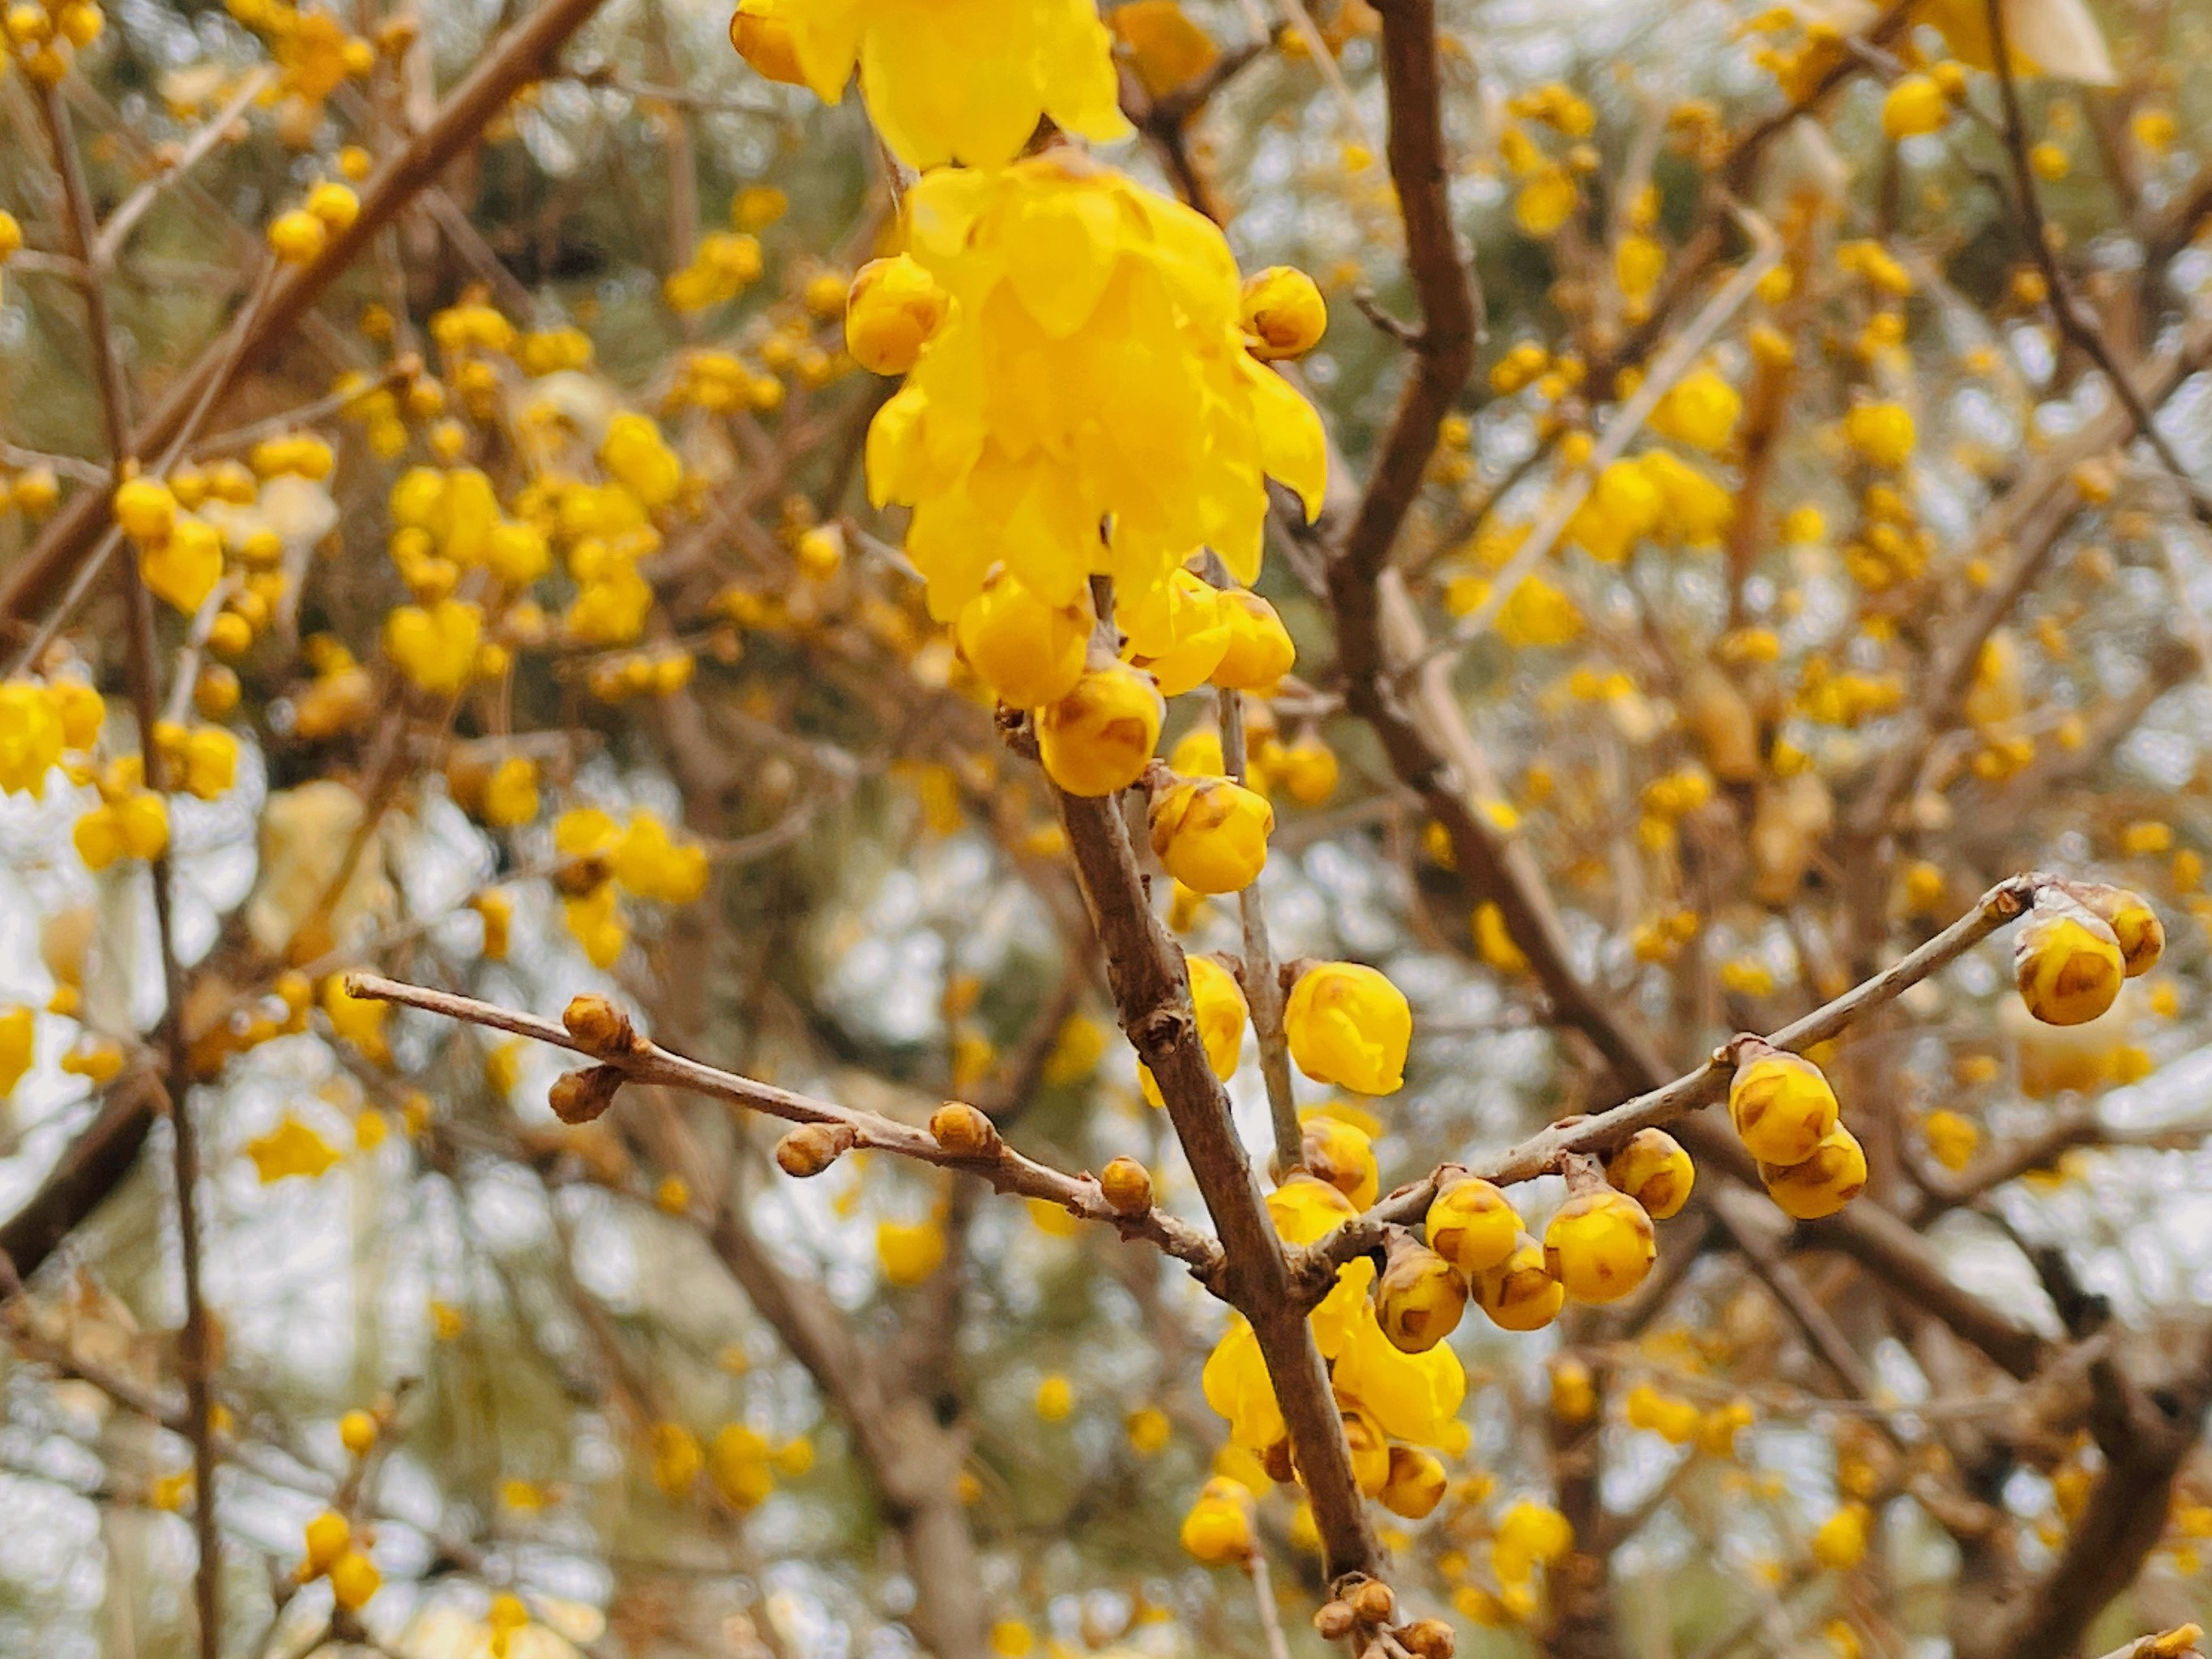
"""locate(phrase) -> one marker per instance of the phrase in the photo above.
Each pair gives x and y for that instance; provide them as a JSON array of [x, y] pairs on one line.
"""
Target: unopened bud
[[580, 1097], [1373, 1602], [811, 1148], [598, 1027], [963, 1131], [1128, 1185], [1428, 1638], [1334, 1621]]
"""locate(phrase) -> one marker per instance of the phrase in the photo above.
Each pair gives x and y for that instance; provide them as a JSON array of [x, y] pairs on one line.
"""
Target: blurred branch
[[196, 149], [1007, 1170]]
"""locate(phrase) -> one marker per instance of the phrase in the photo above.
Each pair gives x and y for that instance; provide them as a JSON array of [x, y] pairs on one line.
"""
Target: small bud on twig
[[1373, 1602], [811, 1148], [963, 1131], [599, 1027], [1128, 1185], [580, 1097], [1334, 1621], [1428, 1638]]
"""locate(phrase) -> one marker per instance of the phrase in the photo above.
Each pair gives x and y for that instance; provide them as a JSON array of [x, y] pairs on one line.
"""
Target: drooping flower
[[957, 80], [1091, 373]]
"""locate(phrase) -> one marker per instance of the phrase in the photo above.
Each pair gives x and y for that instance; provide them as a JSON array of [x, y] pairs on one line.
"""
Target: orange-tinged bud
[[891, 310], [599, 1027], [1212, 835], [580, 1097], [1283, 313], [811, 1148], [1473, 1225], [963, 1131], [1097, 739], [1128, 1185]]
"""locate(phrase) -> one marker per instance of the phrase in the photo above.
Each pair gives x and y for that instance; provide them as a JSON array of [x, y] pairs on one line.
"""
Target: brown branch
[[92, 1167], [1007, 1170], [1263, 985], [519, 58]]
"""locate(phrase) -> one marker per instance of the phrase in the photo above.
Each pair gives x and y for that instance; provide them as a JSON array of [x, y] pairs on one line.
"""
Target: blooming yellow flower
[[31, 736], [1179, 632], [1026, 423], [957, 80], [1700, 410], [1349, 1025]]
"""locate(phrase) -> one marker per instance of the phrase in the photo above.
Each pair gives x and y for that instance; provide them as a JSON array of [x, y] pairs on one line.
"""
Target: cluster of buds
[[1365, 1611], [2077, 946], [1786, 1115], [46, 37]]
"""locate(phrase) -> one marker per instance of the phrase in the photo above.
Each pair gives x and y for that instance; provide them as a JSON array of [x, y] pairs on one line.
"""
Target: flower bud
[[1283, 313], [2067, 961], [1341, 1154], [1259, 649], [1653, 1170], [1600, 1245], [2135, 927], [1780, 1104], [1097, 739], [580, 1097], [1419, 1297], [357, 1433], [763, 39], [327, 1536], [598, 1027], [1334, 1621], [892, 309], [1416, 1485], [1218, 1530], [1349, 1025], [1212, 835], [1126, 1185], [1519, 1293], [1373, 1604], [1429, 1638], [811, 1148], [1179, 631], [1473, 1225], [1915, 105], [1028, 651], [963, 1131], [1821, 1184]]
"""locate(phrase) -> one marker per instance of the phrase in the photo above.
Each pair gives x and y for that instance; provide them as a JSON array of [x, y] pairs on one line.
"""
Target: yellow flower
[[1653, 1170], [891, 310], [184, 566], [1029, 653], [354, 1580], [1055, 1398], [1700, 410], [1218, 1002], [762, 33], [1179, 632], [1471, 1224], [1235, 1385], [959, 80], [1519, 1293], [1282, 312], [1493, 943], [1675, 1421], [1600, 1245], [1340, 1153], [1097, 739], [133, 824], [1212, 835], [677, 1458], [18, 1028], [2067, 962], [1419, 1298], [1951, 1139], [909, 1251], [1841, 1542], [359, 1020], [1022, 429], [1547, 201], [1781, 1105], [595, 921], [1823, 1182], [739, 1465], [326, 1538], [1218, 1530], [511, 793], [292, 1148], [1622, 507], [1914, 106], [31, 736], [1349, 1025], [636, 455], [1530, 1535], [651, 864], [1574, 1391], [145, 510], [1882, 432], [436, 647], [2135, 927]]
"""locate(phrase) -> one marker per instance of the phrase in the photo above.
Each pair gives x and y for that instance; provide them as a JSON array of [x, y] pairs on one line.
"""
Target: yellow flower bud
[[1349, 1025], [1951, 1139], [1416, 1483], [1473, 1225], [1126, 1185], [1218, 1530], [1212, 835], [1179, 632], [1915, 105], [1574, 1391], [297, 237], [1675, 1421], [893, 307], [145, 510], [1341, 1154], [1419, 1297], [337, 206], [1309, 769], [1699, 410], [2135, 927], [1283, 313], [1519, 1293], [762, 37], [1600, 1245], [1882, 432], [357, 1433], [1822, 1183], [1218, 1002], [1780, 1104], [963, 1131], [1259, 649], [327, 1536], [1097, 739], [2067, 962], [1653, 1170]]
